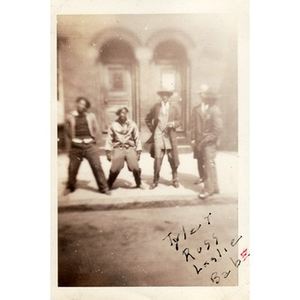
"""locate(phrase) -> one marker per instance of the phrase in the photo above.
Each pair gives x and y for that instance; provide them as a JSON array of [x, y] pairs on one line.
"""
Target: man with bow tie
[[206, 130], [162, 121]]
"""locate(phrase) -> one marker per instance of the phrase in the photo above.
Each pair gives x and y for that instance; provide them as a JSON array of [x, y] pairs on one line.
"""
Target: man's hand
[[138, 153], [204, 142], [170, 124], [193, 142], [108, 155]]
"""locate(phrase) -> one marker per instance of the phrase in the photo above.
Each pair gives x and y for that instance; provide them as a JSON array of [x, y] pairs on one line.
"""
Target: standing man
[[82, 129], [196, 127], [206, 129], [162, 121], [123, 144]]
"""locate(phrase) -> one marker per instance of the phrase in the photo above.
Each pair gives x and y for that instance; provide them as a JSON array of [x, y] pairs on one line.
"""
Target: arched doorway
[[118, 78], [171, 71]]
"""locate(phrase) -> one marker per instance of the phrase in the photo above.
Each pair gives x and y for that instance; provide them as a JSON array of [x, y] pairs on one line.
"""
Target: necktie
[[164, 108]]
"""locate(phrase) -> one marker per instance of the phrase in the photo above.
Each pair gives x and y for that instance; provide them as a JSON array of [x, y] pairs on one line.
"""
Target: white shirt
[[165, 107], [204, 107]]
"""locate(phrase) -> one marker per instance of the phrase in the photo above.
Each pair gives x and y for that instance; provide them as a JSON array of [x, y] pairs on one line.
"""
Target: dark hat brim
[[167, 93], [120, 109], [210, 95]]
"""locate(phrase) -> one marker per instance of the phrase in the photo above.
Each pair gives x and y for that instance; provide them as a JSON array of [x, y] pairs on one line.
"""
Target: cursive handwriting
[[211, 246]]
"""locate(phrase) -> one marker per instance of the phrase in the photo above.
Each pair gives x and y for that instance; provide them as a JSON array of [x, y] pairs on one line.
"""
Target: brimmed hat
[[203, 88], [210, 95], [166, 93], [120, 109]]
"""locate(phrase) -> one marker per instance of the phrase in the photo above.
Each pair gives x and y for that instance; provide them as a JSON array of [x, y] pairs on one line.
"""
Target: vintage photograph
[[148, 151]]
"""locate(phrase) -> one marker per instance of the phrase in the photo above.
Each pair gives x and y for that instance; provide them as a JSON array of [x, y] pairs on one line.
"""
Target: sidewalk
[[124, 191]]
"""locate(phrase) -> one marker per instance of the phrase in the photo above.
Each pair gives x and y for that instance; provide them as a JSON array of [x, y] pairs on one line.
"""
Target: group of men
[[123, 143]]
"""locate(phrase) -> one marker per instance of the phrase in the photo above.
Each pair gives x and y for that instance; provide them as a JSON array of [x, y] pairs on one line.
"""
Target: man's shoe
[[106, 192], [176, 183], [69, 190], [140, 186], [153, 185], [200, 180], [204, 195]]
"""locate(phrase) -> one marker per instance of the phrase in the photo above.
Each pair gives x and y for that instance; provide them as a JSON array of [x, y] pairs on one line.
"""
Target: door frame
[[183, 69], [132, 68]]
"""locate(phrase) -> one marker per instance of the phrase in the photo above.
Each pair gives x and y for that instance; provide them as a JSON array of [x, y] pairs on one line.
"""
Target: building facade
[[117, 60]]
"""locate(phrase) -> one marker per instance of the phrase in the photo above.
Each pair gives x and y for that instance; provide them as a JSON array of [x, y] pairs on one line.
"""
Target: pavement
[[125, 195], [122, 239], [131, 247]]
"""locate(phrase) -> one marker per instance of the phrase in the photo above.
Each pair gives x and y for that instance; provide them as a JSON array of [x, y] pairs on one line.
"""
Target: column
[[143, 56]]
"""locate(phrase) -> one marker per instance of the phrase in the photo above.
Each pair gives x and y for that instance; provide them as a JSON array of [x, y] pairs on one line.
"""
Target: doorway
[[170, 65], [118, 79]]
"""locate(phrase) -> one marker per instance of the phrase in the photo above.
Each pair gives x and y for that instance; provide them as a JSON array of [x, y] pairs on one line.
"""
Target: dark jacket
[[152, 121], [92, 124], [206, 127]]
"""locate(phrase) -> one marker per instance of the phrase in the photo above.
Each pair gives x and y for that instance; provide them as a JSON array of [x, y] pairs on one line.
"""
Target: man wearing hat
[[82, 129], [123, 144], [206, 129], [162, 121]]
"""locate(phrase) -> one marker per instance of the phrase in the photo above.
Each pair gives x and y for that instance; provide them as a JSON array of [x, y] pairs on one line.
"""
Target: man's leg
[[157, 166], [211, 182], [76, 155], [92, 155], [201, 172], [133, 165], [173, 168], [116, 166]]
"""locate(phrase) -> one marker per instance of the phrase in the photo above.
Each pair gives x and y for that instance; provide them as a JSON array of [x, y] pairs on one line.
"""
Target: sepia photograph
[[159, 169], [148, 151]]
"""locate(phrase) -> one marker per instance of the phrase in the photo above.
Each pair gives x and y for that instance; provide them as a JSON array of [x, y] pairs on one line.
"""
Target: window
[[116, 81]]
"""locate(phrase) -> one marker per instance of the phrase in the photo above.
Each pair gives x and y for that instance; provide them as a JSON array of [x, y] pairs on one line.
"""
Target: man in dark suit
[[206, 129], [196, 127], [162, 121]]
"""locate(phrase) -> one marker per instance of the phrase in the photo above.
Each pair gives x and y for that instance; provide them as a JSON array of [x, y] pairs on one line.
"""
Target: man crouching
[[123, 144]]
